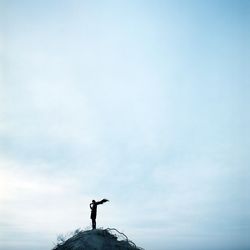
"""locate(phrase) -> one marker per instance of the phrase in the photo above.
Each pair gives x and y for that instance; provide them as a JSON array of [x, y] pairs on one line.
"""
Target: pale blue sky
[[145, 103]]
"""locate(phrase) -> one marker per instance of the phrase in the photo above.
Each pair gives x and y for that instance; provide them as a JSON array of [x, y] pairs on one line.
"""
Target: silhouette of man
[[93, 207]]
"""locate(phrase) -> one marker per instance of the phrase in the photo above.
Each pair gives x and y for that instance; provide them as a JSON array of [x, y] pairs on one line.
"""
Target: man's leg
[[93, 224]]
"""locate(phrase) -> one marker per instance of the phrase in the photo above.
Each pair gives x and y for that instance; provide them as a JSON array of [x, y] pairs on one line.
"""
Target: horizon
[[144, 103]]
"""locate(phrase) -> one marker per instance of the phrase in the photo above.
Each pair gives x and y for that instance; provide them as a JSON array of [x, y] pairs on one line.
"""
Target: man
[[93, 207]]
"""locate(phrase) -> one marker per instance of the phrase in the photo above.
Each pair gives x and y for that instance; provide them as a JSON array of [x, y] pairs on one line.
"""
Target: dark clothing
[[93, 211], [93, 207], [93, 223]]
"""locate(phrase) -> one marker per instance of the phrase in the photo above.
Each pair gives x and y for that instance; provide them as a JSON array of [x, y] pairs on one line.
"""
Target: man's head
[[93, 201]]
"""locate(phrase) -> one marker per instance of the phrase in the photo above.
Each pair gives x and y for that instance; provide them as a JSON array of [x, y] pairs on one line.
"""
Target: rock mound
[[98, 239]]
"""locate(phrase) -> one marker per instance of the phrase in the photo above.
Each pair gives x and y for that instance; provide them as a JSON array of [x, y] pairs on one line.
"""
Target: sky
[[145, 103]]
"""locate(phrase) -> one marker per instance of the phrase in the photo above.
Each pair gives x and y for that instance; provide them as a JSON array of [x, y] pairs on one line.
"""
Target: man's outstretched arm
[[101, 202]]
